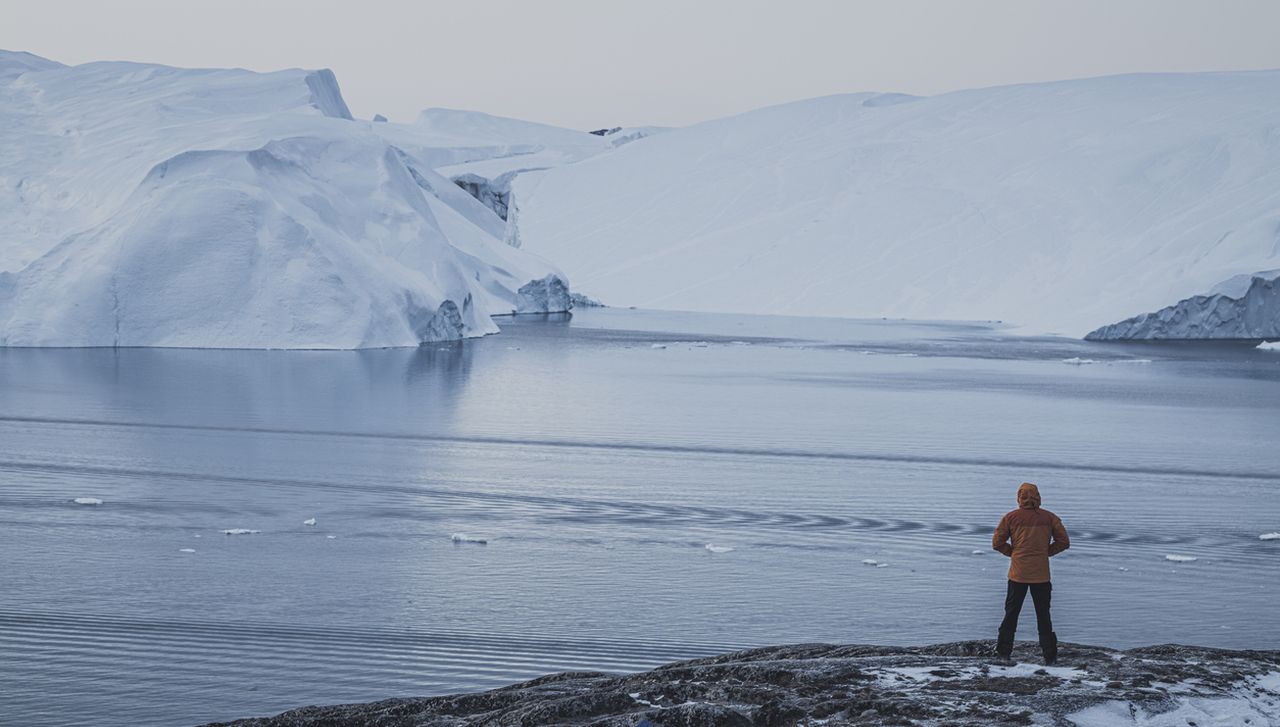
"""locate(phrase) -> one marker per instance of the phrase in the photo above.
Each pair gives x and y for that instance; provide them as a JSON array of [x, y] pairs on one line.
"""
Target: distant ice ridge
[[1056, 206], [1245, 306], [143, 205], [489, 152]]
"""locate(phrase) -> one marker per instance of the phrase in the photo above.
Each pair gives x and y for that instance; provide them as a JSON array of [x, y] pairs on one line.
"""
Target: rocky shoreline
[[819, 684]]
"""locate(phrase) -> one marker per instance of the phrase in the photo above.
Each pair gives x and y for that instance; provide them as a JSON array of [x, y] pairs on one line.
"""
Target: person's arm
[[1000, 540], [1060, 540]]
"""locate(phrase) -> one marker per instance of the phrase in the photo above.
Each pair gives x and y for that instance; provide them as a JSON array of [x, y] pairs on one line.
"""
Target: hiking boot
[[1004, 644], [1049, 647]]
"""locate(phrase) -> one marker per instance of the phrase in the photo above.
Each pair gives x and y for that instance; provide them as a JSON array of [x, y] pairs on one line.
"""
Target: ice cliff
[[1059, 207], [151, 206]]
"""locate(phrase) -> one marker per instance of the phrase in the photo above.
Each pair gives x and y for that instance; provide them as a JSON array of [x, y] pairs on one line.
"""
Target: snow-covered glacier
[[1058, 207], [144, 205]]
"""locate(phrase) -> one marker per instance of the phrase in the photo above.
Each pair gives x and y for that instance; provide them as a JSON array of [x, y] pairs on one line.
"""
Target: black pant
[[1040, 593]]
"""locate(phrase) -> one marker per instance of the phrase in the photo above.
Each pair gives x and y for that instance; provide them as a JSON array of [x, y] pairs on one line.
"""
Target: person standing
[[1030, 536]]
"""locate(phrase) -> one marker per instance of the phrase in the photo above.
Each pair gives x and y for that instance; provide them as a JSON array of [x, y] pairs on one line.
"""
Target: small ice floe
[[658, 345], [309, 521], [1077, 361], [186, 550], [1269, 346], [1181, 558], [239, 531], [1122, 568], [1269, 536], [460, 538], [87, 501], [977, 552], [718, 548], [332, 537], [874, 562], [907, 355]]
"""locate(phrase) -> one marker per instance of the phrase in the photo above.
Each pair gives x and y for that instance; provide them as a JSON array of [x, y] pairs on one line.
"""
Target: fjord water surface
[[649, 487]]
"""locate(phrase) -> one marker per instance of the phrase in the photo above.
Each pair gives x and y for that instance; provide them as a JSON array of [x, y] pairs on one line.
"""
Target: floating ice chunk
[[870, 561], [332, 537], [718, 548], [1269, 536], [460, 538], [882, 565], [977, 552], [1077, 361], [1269, 346], [1181, 558], [239, 531], [1122, 568], [309, 521], [87, 501], [186, 550], [658, 345]]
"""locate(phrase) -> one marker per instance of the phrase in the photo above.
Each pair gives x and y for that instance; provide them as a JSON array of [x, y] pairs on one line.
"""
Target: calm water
[[599, 457]]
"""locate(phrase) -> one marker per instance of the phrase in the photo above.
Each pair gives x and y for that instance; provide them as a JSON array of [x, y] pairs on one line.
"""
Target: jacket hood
[[1028, 496]]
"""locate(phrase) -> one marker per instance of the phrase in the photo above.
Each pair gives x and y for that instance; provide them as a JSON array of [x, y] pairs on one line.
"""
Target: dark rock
[[951, 684]]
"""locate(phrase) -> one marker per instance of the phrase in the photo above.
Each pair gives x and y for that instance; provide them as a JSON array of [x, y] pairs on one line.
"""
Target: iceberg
[[463, 539], [157, 206], [1246, 306], [1058, 207]]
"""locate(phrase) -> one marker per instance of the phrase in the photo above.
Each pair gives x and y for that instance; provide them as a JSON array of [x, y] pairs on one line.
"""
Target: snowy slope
[[145, 205], [1058, 206]]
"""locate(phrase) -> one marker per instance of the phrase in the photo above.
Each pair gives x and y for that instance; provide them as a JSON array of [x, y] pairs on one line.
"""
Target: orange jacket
[[1030, 536]]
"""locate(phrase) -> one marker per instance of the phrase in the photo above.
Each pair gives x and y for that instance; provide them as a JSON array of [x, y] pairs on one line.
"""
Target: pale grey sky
[[592, 63]]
